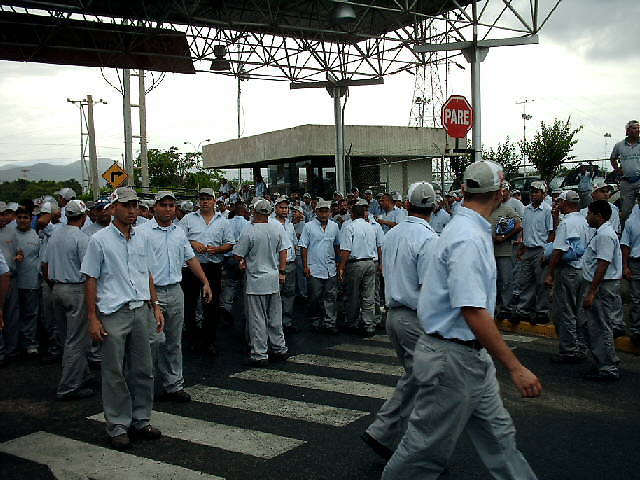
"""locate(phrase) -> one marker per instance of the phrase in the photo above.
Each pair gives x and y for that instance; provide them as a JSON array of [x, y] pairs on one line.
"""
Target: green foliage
[[507, 155], [171, 169], [551, 146], [22, 189]]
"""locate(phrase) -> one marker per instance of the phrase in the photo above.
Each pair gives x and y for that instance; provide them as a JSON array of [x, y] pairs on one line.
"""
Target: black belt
[[67, 283], [354, 260], [475, 344]]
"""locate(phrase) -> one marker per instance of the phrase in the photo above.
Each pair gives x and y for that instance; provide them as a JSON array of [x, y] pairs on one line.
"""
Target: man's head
[[103, 212], [240, 209], [360, 209], [633, 130], [261, 211], [538, 192], [5, 218], [598, 213], [282, 208], [165, 207], [421, 199], [10, 211], [66, 194], [601, 191], [516, 194], [206, 200], [368, 195], [386, 202], [124, 205], [323, 211], [482, 183], [570, 202], [23, 219], [76, 212]]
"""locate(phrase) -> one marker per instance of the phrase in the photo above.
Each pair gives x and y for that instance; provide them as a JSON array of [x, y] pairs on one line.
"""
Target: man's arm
[[305, 264], [598, 277], [282, 265], [196, 268], [556, 256], [626, 268], [96, 329], [344, 258], [487, 333], [157, 311], [4, 288]]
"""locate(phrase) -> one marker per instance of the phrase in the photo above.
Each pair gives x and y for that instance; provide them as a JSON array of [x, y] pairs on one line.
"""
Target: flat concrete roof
[[306, 141]]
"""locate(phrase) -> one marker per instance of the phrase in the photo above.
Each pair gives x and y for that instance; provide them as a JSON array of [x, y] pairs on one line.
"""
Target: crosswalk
[[329, 371]]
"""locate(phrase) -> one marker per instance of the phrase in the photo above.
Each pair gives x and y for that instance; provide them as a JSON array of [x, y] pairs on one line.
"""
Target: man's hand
[[520, 253], [242, 264], [200, 247], [96, 329], [627, 273], [207, 293], [212, 249], [282, 278], [19, 256], [340, 273], [526, 382], [588, 299], [548, 280], [307, 272], [157, 312]]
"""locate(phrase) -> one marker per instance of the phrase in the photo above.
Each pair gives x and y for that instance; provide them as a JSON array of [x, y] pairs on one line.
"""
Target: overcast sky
[[586, 66]]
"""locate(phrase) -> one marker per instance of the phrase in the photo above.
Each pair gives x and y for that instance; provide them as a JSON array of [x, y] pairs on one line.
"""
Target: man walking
[[288, 289]]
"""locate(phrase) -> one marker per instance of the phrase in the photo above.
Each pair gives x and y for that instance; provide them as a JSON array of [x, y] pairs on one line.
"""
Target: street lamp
[[199, 144]]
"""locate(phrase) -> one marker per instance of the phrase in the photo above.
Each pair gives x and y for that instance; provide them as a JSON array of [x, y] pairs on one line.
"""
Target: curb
[[623, 344]]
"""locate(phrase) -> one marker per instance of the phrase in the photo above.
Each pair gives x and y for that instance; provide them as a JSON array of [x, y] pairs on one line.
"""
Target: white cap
[[422, 194], [482, 177], [75, 208], [67, 193]]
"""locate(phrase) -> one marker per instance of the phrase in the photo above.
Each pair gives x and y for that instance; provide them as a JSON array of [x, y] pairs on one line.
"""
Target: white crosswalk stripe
[[341, 363], [328, 384], [281, 407], [71, 459], [233, 439], [367, 349]]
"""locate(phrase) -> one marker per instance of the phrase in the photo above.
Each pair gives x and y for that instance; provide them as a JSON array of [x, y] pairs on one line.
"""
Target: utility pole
[[525, 118], [239, 106], [128, 136], [142, 115]]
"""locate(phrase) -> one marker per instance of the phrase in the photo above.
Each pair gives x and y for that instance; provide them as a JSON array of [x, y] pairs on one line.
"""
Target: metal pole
[[339, 164], [83, 166], [93, 156], [476, 135], [126, 113], [239, 105], [142, 114]]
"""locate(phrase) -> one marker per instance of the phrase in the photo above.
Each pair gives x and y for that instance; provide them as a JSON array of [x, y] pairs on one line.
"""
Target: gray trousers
[[29, 300], [534, 295], [566, 307], [70, 312], [457, 391], [390, 423], [288, 294], [322, 301], [167, 348], [127, 369], [634, 293], [264, 321], [9, 335], [379, 297], [504, 266], [233, 288], [301, 280], [627, 197], [359, 292], [55, 338], [596, 326]]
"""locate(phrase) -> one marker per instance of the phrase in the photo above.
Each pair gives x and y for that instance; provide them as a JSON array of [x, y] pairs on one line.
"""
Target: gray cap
[[263, 207], [538, 185], [13, 206], [67, 193], [124, 195], [571, 196], [281, 200], [49, 207], [422, 194], [362, 202], [306, 195], [368, 192], [598, 184], [323, 204], [298, 208], [483, 177], [75, 208], [164, 194], [397, 197], [207, 191], [3, 207], [186, 205]]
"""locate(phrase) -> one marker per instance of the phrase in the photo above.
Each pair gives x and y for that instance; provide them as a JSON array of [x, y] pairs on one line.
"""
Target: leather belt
[[475, 344], [354, 260]]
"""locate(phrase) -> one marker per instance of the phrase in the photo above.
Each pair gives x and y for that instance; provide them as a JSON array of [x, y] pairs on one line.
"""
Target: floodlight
[[343, 14]]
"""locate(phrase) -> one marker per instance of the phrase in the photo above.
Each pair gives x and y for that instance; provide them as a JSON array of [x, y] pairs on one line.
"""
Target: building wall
[[399, 176]]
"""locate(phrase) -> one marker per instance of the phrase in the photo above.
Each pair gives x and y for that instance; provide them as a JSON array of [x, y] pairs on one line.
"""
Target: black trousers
[[196, 336]]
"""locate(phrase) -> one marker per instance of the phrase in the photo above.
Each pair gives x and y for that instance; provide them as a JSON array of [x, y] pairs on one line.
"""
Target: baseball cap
[[306, 195], [67, 193], [598, 184], [571, 196], [362, 202], [207, 191], [483, 177], [397, 197], [538, 185], [124, 195], [186, 205], [422, 194], [323, 204], [164, 194], [263, 207], [368, 192], [298, 208], [49, 207], [102, 203], [75, 208], [281, 200], [515, 192], [13, 206]]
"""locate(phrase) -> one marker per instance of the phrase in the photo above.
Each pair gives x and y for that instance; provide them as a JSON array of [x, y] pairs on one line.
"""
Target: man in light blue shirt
[[405, 254], [457, 387], [9, 334], [599, 290], [288, 289], [585, 181], [171, 250], [532, 302], [390, 215], [233, 278], [320, 244], [630, 244], [5, 278], [121, 306], [374, 205], [440, 216]]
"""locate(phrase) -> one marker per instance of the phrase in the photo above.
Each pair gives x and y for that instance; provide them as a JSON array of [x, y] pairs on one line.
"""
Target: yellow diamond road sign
[[115, 175]]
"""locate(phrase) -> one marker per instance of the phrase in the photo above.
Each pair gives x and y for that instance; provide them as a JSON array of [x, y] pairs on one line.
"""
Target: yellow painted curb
[[623, 344]]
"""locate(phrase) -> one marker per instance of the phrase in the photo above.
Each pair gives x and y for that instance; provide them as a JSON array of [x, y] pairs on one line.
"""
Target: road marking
[[71, 459], [333, 362], [279, 407], [518, 338], [225, 437], [368, 349], [328, 384]]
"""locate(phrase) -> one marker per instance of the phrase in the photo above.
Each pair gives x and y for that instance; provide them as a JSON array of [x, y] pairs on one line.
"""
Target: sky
[[586, 66]]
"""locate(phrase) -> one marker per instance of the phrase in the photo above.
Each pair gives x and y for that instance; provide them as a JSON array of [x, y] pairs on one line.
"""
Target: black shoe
[[368, 332], [290, 329], [250, 362], [596, 375], [121, 442], [567, 358], [145, 433], [279, 357], [635, 339], [95, 366], [376, 446], [179, 396], [619, 332], [78, 394], [540, 320], [331, 331]]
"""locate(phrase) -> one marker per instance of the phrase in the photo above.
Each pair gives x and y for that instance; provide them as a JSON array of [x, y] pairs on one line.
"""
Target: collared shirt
[[122, 268], [140, 221], [548, 200], [8, 245], [614, 220], [65, 250], [238, 223], [216, 233], [585, 182], [517, 205], [28, 271], [260, 245], [394, 215], [405, 254], [359, 237], [4, 268], [290, 237], [374, 207], [574, 226], [171, 250], [461, 273], [631, 235], [93, 228], [439, 220], [603, 246], [629, 155], [45, 235], [537, 222], [503, 249], [261, 189], [320, 243]]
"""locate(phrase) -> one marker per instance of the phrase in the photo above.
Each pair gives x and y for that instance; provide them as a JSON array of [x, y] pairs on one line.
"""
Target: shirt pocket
[[138, 258]]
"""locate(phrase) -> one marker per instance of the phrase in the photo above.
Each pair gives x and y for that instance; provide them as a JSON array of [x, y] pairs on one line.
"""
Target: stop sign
[[457, 116]]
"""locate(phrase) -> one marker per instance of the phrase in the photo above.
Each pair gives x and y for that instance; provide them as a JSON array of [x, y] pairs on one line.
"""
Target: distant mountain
[[48, 171]]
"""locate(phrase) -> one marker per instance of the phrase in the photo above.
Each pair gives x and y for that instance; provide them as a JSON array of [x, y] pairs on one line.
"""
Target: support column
[[126, 114], [341, 184], [142, 115], [93, 156]]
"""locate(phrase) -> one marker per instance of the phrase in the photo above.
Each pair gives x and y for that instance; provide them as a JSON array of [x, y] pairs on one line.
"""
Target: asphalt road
[[302, 420]]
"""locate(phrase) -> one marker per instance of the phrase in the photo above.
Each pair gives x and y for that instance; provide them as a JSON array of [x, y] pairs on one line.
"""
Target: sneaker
[[259, 363], [596, 375], [376, 446], [179, 396], [566, 358], [78, 394], [121, 442], [145, 433]]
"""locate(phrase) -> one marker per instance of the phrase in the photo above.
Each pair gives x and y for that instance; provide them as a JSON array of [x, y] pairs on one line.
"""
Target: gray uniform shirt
[[28, 271], [629, 155], [8, 245], [93, 228], [64, 254]]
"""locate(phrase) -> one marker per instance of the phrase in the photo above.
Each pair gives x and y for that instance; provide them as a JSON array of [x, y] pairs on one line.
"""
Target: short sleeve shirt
[[320, 244], [65, 250], [360, 239], [504, 249], [629, 155], [603, 246], [631, 235], [28, 271], [572, 226], [537, 222], [217, 233]]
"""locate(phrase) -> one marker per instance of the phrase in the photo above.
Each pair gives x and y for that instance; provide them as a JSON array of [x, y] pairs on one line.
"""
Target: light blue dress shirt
[[359, 237], [461, 273], [28, 271], [4, 268], [573, 225], [407, 249], [237, 224], [439, 220], [65, 250], [517, 205], [290, 237], [614, 220], [92, 228], [631, 234], [217, 233], [374, 207], [171, 250], [537, 222], [585, 182], [320, 245], [122, 268], [603, 246], [394, 215]]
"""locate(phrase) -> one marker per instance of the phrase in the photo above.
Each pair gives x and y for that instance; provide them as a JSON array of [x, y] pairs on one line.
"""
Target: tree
[[506, 154], [551, 146], [22, 189]]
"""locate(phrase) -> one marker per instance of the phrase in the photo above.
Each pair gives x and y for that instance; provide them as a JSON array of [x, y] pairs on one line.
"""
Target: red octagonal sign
[[457, 116]]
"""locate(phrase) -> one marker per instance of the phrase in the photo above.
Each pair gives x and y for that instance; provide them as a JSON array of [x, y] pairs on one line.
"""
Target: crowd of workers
[[113, 285]]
